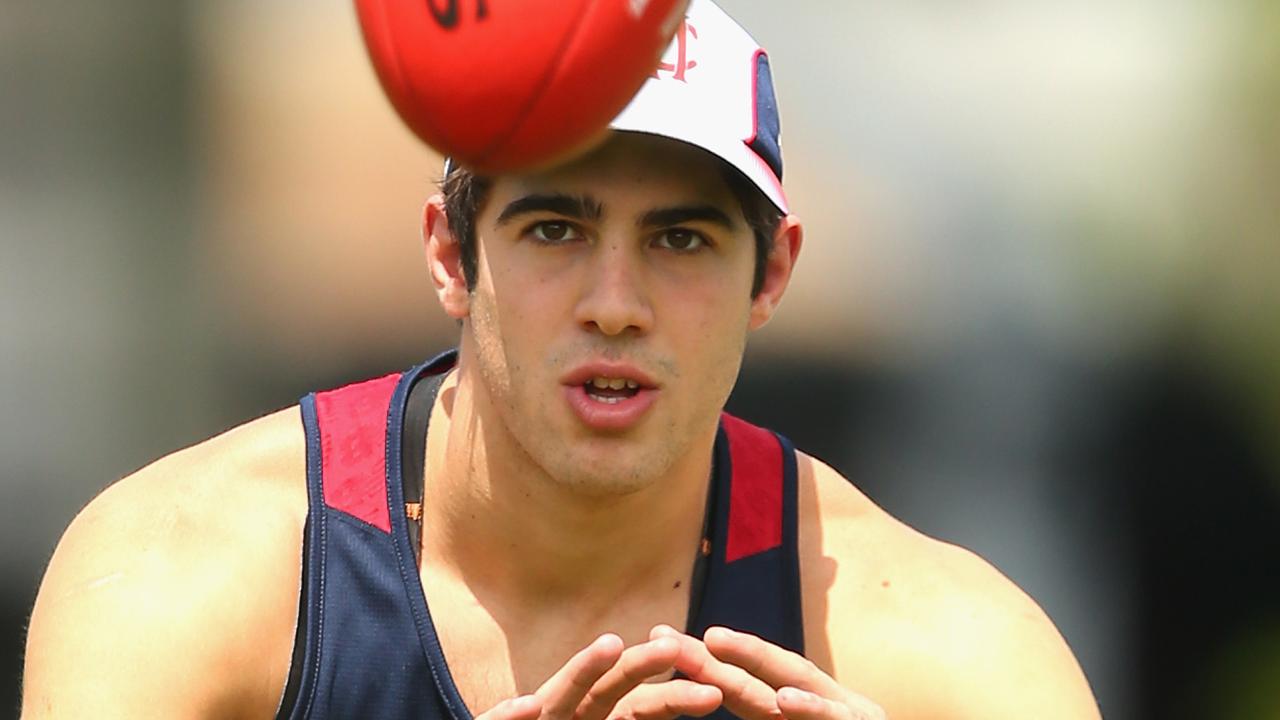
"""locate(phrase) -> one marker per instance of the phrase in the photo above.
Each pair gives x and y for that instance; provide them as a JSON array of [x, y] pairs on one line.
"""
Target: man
[[557, 521]]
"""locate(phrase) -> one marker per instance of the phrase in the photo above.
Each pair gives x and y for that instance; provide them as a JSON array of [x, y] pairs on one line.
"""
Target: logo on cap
[[682, 64]]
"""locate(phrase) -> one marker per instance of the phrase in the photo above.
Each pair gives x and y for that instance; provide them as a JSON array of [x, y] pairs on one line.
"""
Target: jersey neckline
[[407, 558]]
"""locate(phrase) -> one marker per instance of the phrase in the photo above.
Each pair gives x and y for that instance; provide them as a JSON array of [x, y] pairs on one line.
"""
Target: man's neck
[[501, 521]]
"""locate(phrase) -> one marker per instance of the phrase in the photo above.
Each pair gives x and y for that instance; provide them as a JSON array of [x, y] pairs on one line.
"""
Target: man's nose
[[615, 297]]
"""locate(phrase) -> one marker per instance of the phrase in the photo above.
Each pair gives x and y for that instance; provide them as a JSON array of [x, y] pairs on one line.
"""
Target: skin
[[143, 609]]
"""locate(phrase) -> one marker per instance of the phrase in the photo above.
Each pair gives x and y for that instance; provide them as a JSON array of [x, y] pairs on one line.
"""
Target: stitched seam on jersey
[[315, 464], [393, 466], [348, 519], [721, 481], [791, 537], [320, 611], [395, 428]]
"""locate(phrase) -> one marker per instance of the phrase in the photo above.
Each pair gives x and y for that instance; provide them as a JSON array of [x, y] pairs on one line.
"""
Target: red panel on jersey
[[755, 491], [353, 448]]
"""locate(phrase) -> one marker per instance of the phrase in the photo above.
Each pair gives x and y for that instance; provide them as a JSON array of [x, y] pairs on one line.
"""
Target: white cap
[[713, 89]]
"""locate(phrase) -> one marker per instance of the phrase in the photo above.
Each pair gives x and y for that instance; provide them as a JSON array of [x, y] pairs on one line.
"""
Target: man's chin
[[608, 474]]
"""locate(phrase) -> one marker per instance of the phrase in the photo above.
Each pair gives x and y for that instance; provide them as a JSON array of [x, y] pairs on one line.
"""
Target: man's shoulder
[[244, 482], [207, 537], [916, 612], [888, 552], [228, 499]]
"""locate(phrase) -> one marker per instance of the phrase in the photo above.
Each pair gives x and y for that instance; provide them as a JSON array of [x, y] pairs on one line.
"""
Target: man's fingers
[[799, 704], [525, 707], [668, 700], [750, 677], [807, 688], [774, 665], [561, 693], [636, 664], [745, 696]]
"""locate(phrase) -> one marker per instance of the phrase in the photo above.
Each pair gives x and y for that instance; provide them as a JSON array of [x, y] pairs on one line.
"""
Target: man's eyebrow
[[582, 207], [665, 217]]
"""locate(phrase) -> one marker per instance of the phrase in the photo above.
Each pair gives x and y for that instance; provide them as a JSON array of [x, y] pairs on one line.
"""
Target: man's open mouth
[[611, 390]]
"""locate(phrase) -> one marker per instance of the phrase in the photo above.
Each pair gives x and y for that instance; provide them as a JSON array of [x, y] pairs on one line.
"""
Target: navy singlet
[[366, 645]]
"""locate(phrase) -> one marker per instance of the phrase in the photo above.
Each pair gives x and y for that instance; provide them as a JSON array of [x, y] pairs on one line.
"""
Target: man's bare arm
[[1002, 653], [174, 593], [925, 628]]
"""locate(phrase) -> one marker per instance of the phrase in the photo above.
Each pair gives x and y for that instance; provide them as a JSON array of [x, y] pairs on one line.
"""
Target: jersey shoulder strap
[[756, 489], [352, 424], [753, 578], [354, 654]]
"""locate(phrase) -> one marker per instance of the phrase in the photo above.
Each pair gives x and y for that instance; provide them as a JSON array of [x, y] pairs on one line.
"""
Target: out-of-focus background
[[1037, 313]]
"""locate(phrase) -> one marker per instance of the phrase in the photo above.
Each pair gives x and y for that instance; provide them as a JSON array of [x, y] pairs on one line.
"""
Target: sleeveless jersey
[[366, 645]]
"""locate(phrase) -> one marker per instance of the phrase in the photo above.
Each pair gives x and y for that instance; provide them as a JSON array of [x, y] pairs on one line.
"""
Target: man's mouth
[[609, 396], [611, 390]]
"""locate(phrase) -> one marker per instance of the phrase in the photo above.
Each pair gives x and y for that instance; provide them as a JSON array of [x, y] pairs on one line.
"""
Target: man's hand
[[761, 681], [605, 681]]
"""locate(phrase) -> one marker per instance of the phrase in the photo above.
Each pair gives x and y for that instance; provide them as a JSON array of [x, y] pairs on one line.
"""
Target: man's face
[[629, 269]]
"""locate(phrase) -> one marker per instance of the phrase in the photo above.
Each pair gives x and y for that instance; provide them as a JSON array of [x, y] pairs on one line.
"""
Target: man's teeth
[[604, 383]]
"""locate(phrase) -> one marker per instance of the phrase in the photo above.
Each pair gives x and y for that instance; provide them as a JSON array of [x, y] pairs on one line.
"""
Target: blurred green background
[[1037, 313]]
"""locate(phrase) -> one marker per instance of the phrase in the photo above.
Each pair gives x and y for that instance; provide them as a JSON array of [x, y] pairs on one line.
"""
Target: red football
[[504, 85]]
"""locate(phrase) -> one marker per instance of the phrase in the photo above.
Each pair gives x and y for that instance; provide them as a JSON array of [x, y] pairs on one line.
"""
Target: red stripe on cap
[[353, 442], [755, 490]]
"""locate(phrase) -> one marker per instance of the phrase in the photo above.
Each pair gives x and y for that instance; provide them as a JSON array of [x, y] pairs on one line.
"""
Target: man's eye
[[554, 232], [681, 240]]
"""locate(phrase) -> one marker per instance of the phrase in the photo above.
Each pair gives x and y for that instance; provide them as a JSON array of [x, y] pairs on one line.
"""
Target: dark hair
[[464, 192]]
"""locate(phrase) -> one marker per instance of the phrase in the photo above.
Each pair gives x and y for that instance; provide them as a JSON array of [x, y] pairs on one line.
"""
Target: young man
[[557, 521]]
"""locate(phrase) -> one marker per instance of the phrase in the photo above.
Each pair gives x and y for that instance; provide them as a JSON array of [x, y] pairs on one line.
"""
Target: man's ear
[[777, 270], [444, 258]]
